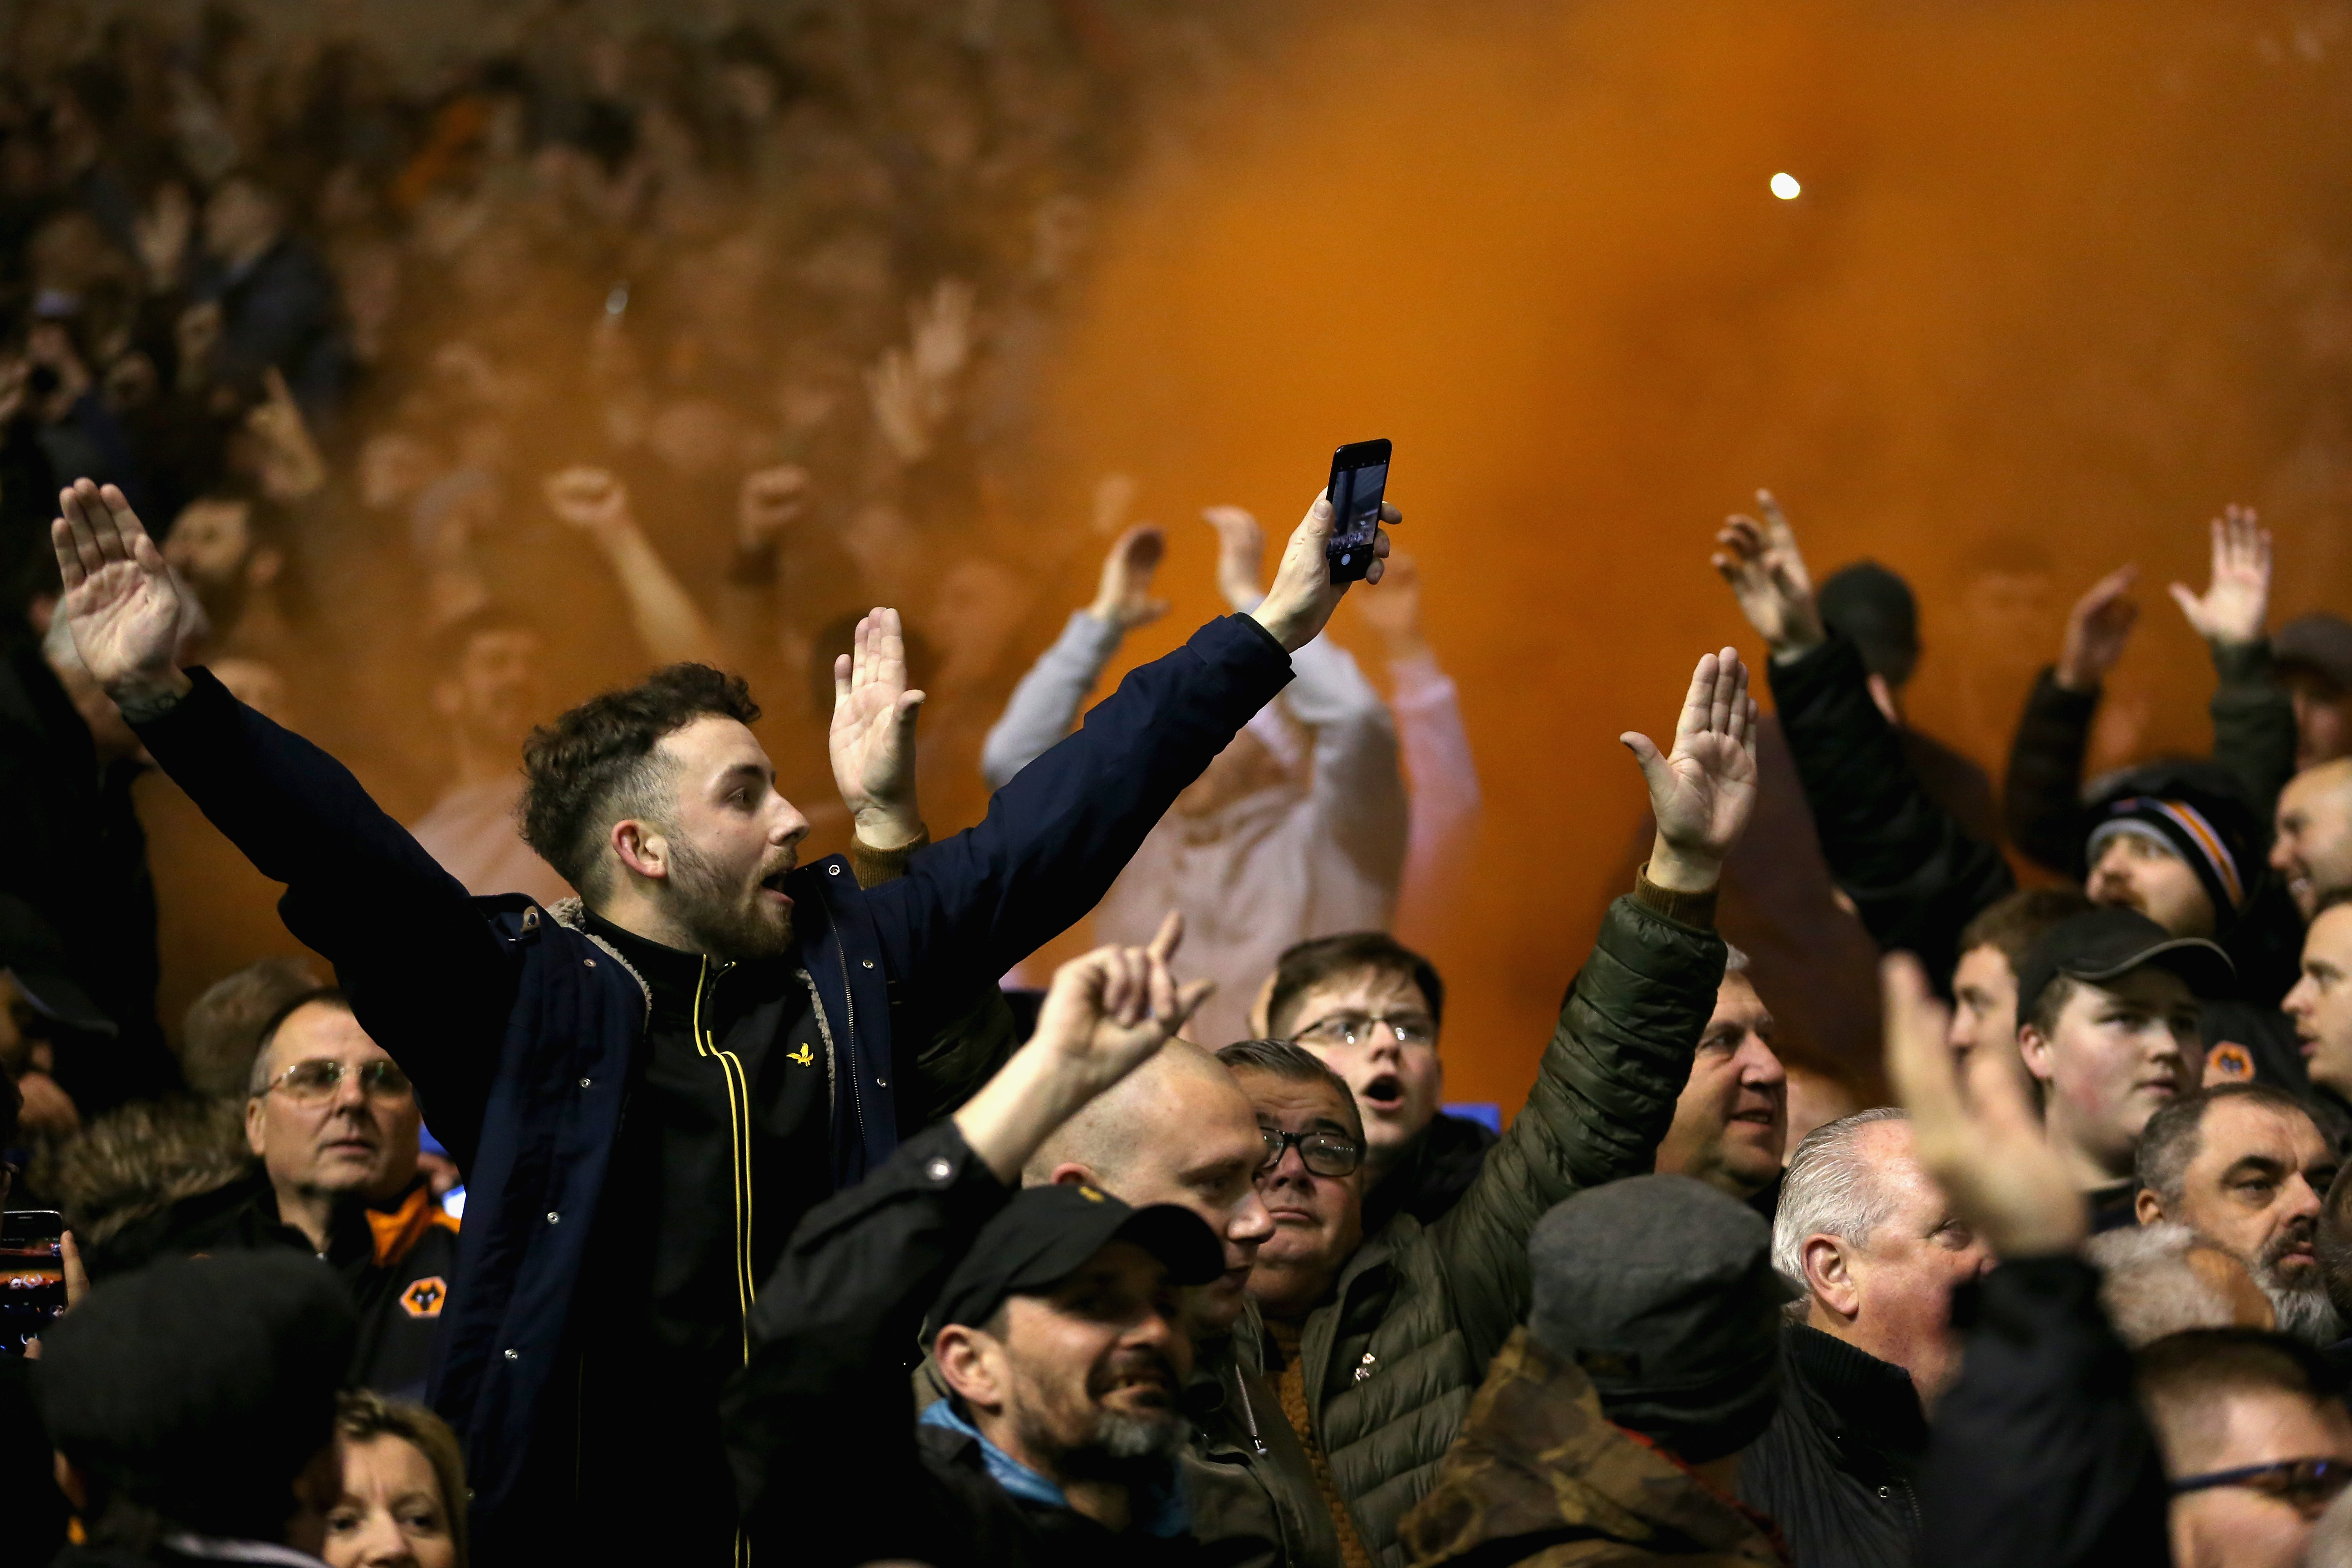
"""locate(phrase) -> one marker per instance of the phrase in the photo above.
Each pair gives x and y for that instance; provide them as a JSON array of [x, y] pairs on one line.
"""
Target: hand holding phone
[[32, 1275], [1359, 480]]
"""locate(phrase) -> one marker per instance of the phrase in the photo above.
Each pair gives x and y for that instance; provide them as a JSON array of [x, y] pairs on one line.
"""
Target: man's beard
[[712, 914], [2301, 1306], [1125, 1445]]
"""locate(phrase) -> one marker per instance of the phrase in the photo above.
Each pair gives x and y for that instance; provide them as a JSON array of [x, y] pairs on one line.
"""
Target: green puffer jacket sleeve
[[1603, 1099]]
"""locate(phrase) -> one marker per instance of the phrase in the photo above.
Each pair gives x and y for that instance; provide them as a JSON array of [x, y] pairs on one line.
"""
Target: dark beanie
[[1873, 607], [200, 1387], [1662, 1290]]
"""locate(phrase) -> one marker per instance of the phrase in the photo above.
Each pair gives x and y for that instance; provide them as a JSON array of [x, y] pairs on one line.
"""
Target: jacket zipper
[[1249, 1416], [738, 1141], [849, 1000]]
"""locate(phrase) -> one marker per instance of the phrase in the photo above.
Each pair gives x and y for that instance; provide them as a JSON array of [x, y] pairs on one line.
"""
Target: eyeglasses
[[1323, 1153], [2309, 1485], [314, 1082], [1357, 1029]]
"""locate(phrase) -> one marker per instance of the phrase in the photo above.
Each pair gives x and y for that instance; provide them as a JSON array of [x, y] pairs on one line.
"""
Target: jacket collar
[[1854, 1393], [1159, 1509]]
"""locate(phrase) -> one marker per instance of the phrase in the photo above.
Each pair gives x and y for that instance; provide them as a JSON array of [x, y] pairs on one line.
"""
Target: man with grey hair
[[2245, 1166], [1869, 1239]]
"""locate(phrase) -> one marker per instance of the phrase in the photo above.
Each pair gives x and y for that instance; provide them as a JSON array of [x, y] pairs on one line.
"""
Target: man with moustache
[[2109, 1006], [1052, 1312], [760, 1020], [2245, 1167]]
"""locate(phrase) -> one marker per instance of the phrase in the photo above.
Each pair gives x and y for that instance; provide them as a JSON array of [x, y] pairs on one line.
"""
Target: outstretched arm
[[1055, 835], [1438, 767], [360, 890], [1914, 876], [1605, 1091], [668, 622], [1046, 703], [2253, 717], [2041, 806]]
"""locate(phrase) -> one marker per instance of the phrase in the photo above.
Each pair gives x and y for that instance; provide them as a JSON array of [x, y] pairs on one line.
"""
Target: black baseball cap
[[32, 954], [2105, 944], [1046, 1234]]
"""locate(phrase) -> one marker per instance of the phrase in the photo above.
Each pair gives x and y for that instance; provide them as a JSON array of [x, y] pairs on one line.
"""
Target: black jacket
[[523, 1034], [1835, 1468], [1435, 1172], [2039, 1457], [828, 1464], [1914, 873]]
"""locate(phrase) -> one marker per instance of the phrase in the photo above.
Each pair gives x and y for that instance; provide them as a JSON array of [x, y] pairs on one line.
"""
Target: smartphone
[[1359, 478], [32, 1275]]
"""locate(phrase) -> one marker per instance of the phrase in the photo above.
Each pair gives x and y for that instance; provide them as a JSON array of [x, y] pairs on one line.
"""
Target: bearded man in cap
[[1616, 1419], [1055, 1314]]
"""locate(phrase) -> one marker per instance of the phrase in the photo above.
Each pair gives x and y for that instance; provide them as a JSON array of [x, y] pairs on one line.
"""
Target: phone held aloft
[[1359, 480], [32, 1275]]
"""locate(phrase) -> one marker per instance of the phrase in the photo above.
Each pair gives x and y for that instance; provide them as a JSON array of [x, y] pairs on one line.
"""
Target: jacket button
[[864, 964], [554, 1218], [1887, 1491], [589, 962], [832, 871], [586, 1082], [512, 1354], [881, 1083], [939, 1170]]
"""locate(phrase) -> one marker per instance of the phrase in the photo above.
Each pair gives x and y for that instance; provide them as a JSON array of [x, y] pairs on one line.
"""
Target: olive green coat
[[1392, 1359]]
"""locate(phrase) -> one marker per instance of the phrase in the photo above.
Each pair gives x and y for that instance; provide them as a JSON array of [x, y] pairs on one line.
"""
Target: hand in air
[[1395, 611], [1703, 791], [1240, 550], [768, 500], [1124, 600], [2098, 627], [125, 607], [1109, 1010], [1766, 572], [2230, 610], [1299, 605], [873, 738], [1973, 1128], [592, 501]]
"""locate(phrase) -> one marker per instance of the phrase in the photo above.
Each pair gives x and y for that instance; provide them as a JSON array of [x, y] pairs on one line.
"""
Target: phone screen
[[32, 1275], [1359, 480]]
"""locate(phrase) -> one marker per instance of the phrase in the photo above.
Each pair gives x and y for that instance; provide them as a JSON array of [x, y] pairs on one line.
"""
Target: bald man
[[2313, 849]]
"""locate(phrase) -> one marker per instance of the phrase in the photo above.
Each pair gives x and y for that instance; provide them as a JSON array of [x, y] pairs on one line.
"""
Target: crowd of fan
[[764, 1212]]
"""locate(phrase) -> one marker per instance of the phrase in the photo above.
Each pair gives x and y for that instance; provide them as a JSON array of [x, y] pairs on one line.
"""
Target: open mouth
[[1385, 1093], [773, 884]]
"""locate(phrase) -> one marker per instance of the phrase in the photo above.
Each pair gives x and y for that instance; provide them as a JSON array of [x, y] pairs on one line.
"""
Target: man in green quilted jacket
[[1377, 1343]]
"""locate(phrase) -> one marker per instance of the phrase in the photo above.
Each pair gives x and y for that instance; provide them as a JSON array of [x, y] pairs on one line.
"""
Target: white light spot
[[1785, 186]]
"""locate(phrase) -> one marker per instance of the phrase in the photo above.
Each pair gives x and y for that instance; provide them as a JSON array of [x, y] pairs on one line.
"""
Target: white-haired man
[[1867, 1236]]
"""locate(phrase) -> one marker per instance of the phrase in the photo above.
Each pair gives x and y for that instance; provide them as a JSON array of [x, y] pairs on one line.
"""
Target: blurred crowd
[[614, 1126]]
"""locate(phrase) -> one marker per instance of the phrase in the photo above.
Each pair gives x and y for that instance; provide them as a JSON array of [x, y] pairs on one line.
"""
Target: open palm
[[873, 737], [1704, 790], [2232, 608], [123, 604]]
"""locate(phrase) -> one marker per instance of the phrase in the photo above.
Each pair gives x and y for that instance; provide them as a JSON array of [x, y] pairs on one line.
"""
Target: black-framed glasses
[[2310, 1485], [313, 1082], [1323, 1153], [1363, 1028]]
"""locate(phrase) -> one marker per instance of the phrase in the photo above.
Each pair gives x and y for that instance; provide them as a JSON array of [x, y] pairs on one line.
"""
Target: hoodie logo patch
[[2229, 1062], [425, 1296], [802, 1057]]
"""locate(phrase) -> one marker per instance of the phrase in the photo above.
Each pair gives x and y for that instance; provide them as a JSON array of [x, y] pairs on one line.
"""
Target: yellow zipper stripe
[[739, 1140]]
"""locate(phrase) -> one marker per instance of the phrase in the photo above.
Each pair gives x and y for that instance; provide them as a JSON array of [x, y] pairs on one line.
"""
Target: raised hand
[[2230, 610], [1124, 599], [1299, 605], [1768, 577], [1107, 1011], [873, 738], [124, 606], [1975, 1131], [592, 501], [1395, 611], [2098, 627], [1103, 1018], [1241, 549], [1703, 792], [292, 467], [767, 501]]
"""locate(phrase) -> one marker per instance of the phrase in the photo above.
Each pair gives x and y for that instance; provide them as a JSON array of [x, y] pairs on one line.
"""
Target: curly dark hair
[[596, 765]]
